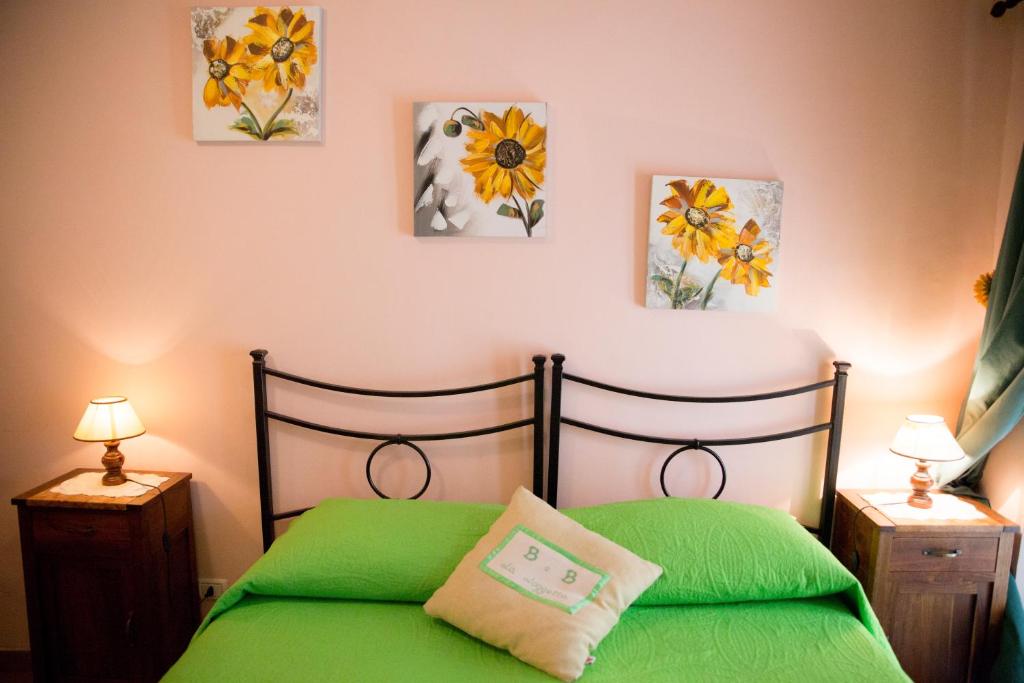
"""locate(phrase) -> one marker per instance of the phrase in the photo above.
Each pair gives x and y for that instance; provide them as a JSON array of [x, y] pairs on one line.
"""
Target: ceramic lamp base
[[112, 460], [921, 482]]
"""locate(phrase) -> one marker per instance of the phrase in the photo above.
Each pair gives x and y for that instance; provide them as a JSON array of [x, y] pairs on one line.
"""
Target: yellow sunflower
[[747, 262], [281, 48], [228, 75], [507, 156], [982, 288], [699, 218]]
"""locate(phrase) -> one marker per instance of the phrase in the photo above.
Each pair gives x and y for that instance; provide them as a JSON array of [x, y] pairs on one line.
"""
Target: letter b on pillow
[[542, 586]]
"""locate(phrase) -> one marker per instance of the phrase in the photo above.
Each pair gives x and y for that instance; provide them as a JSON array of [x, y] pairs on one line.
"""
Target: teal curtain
[[1009, 665], [995, 402]]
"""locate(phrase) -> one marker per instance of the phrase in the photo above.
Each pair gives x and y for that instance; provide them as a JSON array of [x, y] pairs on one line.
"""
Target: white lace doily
[[91, 484], [944, 506]]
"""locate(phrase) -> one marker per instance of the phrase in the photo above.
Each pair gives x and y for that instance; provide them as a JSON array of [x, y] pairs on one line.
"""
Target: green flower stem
[[468, 111], [259, 129], [522, 216], [707, 292], [270, 122], [675, 289]]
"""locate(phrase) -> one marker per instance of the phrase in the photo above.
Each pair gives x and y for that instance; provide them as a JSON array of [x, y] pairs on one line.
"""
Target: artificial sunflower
[[747, 262], [982, 288], [281, 48], [228, 73], [699, 218], [506, 155]]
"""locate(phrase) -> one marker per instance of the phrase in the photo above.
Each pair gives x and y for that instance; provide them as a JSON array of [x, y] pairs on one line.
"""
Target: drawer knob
[[935, 552]]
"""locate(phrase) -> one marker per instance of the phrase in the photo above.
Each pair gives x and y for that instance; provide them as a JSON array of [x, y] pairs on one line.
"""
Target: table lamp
[[110, 419], [925, 438]]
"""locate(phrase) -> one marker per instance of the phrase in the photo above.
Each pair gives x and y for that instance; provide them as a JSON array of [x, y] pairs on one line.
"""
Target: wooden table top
[[42, 496], [886, 518]]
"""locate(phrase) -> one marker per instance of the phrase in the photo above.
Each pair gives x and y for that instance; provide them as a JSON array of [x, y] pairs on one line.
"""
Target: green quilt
[[304, 639], [746, 594]]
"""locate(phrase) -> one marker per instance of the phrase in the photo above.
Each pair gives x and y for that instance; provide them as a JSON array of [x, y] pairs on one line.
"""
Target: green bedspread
[[746, 594], [304, 639]]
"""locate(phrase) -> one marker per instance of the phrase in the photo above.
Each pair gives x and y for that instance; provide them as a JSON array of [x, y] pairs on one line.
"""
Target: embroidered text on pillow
[[539, 569]]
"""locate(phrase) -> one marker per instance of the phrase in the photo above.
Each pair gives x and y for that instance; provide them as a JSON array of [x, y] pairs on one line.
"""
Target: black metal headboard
[[834, 427], [260, 372]]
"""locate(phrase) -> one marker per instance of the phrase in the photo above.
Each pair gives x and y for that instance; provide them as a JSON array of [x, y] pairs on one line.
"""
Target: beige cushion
[[543, 587]]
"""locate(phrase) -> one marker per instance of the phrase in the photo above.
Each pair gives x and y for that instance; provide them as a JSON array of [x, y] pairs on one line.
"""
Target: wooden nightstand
[[105, 601], [937, 586]]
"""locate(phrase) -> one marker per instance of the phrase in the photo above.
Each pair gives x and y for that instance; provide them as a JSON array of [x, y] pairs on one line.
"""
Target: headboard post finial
[[835, 433], [259, 385], [539, 362], [556, 423]]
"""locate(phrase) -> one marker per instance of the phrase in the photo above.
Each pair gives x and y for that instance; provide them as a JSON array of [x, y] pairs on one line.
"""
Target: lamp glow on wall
[[110, 419], [925, 438]]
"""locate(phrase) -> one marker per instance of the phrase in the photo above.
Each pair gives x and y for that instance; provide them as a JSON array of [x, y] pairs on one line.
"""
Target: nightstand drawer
[[63, 527], [944, 553]]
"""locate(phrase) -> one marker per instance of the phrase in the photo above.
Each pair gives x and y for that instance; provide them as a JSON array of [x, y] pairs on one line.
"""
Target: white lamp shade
[[926, 437], [109, 418]]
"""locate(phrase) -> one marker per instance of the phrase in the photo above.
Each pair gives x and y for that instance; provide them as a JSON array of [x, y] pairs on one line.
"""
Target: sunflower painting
[[479, 169], [713, 243], [256, 73]]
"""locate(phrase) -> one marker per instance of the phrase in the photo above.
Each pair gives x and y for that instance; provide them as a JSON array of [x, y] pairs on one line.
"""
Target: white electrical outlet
[[211, 588]]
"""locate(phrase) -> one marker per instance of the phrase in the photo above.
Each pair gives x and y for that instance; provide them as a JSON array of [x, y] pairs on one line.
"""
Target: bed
[[747, 593]]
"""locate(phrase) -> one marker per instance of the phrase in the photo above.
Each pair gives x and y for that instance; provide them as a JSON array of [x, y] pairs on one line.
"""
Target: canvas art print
[[713, 243], [479, 169], [255, 73]]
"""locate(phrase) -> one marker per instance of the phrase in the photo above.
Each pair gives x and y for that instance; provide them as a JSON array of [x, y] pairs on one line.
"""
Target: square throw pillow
[[542, 586]]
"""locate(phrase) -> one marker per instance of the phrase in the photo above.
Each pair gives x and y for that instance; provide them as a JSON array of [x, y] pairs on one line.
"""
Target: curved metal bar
[[672, 441], [398, 440], [376, 436], [264, 415], [291, 513], [395, 394], [699, 399], [693, 447], [834, 428]]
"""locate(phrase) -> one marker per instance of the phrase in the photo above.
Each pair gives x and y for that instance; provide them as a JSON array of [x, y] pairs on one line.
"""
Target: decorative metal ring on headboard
[[398, 440], [693, 447]]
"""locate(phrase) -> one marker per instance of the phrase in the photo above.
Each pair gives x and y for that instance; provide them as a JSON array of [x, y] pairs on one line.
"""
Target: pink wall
[[138, 262]]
